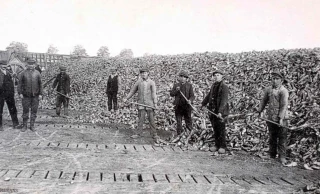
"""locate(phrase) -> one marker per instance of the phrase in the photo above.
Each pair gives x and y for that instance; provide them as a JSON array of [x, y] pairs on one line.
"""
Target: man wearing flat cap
[[30, 90], [113, 86], [147, 95], [62, 82], [276, 96], [183, 98], [218, 98], [7, 95]]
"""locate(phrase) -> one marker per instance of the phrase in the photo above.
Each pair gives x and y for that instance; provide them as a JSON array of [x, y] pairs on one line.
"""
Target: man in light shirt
[[147, 95], [276, 96]]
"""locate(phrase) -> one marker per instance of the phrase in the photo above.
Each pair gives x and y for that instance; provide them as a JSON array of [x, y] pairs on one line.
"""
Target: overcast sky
[[160, 26]]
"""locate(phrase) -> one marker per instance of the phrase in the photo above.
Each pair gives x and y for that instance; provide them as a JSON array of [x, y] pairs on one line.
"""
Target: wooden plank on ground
[[101, 146], [174, 178], [160, 178], [122, 177], [134, 178], [81, 176], [158, 148], [27, 173], [67, 175], [139, 148], [63, 145], [147, 178], [54, 174], [215, 180], [129, 147], [39, 174], [12, 173], [94, 176], [239, 181], [108, 177], [43, 144], [186, 178], [200, 179], [92, 146], [82, 145], [148, 148], [72, 145], [3, 172]]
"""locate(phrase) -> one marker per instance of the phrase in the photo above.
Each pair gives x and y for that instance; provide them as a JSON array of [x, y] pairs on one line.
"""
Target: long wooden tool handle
[[142, 105], [189, 103], [274, 123], [64, 95]]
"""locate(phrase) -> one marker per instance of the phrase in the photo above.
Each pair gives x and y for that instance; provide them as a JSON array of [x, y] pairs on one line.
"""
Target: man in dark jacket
[[113, 86], [30, 90], [7, 95], [218, 104], [62, 82], [182, 106]]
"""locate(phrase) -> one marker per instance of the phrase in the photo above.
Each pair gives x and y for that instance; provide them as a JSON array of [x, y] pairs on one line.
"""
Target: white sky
[[160, 26]]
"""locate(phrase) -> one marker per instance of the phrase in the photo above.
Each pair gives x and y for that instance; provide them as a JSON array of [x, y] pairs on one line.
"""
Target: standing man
[[147, 95], [113, 86], [30, 90], [276, 97], [218, 104], [182, 106], [7, 95], [62, 82]]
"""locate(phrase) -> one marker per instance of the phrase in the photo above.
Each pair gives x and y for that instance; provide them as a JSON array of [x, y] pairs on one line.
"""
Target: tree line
[[78, 50]]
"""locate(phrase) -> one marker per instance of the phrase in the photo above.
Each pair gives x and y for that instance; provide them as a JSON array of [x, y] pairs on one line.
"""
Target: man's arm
[[55, 82], [119, 84], [191, 94], [264, 100], [224, 98], [40, 84], [174, 91], [154, 93], [284, 100], [68, 85], [133, 90]]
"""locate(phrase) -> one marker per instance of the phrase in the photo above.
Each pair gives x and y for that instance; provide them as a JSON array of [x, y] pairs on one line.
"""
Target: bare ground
[[83, 158]]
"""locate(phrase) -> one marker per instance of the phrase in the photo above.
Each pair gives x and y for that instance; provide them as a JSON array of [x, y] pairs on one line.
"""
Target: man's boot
[[66, 111], [32, 125], [58, 109], [24, 125], [15, 122]]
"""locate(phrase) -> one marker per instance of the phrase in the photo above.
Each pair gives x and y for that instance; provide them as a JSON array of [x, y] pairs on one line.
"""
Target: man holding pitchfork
[[147, 100], [183, 98]]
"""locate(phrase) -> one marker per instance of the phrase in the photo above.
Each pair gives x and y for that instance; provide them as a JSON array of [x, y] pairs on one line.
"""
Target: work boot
[[66, 111], [222, 151], [24, 125], [213, 149], [32, 125], [15, 121], [58, 109]]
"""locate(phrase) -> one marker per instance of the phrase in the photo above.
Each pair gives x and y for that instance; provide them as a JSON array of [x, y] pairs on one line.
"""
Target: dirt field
[[77, 158]]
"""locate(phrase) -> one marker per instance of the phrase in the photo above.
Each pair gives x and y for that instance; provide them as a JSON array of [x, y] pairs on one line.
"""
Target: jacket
[[178, 98], [222, 100], [113, 84], [6, 84], [277, 101], [30, 84], [147, 92], [62, 82]]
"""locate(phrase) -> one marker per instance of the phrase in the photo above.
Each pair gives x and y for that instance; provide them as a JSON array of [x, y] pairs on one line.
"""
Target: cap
[[184, 73], [217, 71], [31, 61], [144, 69]]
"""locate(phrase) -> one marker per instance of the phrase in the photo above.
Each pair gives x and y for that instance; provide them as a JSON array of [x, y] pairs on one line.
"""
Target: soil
[[85, 158]]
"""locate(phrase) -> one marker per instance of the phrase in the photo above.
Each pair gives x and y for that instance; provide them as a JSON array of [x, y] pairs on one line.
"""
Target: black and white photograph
[[159, 96]]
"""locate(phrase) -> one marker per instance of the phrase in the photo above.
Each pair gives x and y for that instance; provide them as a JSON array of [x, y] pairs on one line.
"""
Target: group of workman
[[276, 97], [30, 91]]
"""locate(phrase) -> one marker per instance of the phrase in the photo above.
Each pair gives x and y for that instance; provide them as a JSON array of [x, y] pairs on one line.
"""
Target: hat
[[144, 69], [31, 61], [184, 73], [217, 71], [3, 62], [62, 68], [277, 73]]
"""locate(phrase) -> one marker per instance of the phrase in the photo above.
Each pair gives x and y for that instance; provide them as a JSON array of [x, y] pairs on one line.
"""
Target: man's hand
[[40, 97], [178, 88], [220, 116], [124, 100], [281, 121], [21, 96]]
